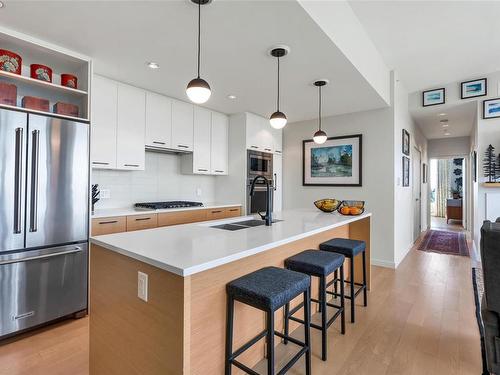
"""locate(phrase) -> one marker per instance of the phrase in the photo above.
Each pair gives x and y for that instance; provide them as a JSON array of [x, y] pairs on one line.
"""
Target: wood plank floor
[[419, 321]]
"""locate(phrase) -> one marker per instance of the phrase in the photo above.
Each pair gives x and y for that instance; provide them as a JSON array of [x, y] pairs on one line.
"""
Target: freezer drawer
[[42, 285]]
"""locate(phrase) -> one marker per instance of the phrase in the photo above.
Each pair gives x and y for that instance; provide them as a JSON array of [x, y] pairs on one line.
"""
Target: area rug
[[453, 243]]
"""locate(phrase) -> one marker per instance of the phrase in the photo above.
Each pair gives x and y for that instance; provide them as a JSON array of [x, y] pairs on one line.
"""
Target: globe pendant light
[[278, 119], [320, 136], [198, 90]]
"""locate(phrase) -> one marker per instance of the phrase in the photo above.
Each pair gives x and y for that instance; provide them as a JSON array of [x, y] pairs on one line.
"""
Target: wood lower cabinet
[[181, 217], [233, 211], [138, 222], [109, 225]]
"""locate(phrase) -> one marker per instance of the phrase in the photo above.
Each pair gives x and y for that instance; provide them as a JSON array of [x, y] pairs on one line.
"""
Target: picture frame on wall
[[424, 173], [406, 142], [491, 108], [406, 171], [474, 88], [337, 162], [433, 97]]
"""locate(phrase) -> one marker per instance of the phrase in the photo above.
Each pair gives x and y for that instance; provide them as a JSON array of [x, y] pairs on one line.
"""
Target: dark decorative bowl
[[327, 205], [359, 205]]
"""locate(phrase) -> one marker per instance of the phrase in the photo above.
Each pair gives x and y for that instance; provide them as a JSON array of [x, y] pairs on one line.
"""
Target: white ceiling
[[122, 36], [434, 42], [460, 119]]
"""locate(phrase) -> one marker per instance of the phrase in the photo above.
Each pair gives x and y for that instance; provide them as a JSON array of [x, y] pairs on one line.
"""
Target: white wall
[[449, 147], [160, 181], [376, 127]]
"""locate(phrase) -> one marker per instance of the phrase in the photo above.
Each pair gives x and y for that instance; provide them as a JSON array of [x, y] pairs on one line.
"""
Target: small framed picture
[[433, 97], [491, 108], [406, 142], [406, 171], [473, 89], [424, 173]]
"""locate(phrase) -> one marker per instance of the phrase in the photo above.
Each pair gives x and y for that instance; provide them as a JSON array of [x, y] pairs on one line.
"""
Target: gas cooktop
[[170, 204]]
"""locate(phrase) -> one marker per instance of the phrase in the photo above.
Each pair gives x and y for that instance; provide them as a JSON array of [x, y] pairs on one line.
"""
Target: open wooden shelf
[[491, 184], [36, 82], [27, 110]]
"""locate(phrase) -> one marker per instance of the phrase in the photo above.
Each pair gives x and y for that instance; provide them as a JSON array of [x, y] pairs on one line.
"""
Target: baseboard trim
[[383, 263], [397, 263]]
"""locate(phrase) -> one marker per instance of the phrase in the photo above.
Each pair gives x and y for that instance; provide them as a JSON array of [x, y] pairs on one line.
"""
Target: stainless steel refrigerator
[[44, 219]]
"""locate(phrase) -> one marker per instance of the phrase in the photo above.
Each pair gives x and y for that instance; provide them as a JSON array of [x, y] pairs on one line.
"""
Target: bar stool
[[268, 289], [319, 264], [349, 248]]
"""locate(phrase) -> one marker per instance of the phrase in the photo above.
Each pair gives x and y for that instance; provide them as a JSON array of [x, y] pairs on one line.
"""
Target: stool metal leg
[[287, 323], [270, 342], [351, 279], [307, 329], [365, 297], [335, 279], [229, 334], [324, 317], [342, 300]]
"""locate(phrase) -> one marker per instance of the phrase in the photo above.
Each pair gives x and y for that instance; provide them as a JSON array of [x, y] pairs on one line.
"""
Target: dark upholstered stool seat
[[269, 288], [315, 262], [345, 246]]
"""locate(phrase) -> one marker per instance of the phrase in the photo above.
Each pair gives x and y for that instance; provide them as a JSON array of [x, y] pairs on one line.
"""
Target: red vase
[[10, 62]]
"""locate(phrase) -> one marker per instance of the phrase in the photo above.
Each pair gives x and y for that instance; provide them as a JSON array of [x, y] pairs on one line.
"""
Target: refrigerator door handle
[[34, 180], [18, 181], [76, 249]]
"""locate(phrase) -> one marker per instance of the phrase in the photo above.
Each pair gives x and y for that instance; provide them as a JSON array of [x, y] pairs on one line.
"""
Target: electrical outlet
[[142, 286], [105, 194]]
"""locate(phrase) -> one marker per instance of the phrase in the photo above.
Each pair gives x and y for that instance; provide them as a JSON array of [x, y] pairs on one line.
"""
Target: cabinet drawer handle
[[253, 147], [234, 209], [100, 163], [267, 149], [218, 171], [202, 170], [159, 143], [278, 151], [216, 212], [131, 165], [143, 219], [182, 146], [108, 222]]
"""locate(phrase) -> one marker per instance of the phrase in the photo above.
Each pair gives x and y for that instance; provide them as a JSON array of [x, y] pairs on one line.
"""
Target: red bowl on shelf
[[10, 62], [41, 72], [69, 80]]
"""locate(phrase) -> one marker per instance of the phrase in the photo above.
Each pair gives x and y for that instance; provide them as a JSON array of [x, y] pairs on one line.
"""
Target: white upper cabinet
[[259, 134], [131, 117], [182, 126], [103, 128], [202, 141], [278, 182], [277, 141], [219, 144], [158, 121]]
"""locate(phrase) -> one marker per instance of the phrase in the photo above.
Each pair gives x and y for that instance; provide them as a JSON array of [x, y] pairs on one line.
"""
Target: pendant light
[[320, 136], [198, 90], [278, 119]]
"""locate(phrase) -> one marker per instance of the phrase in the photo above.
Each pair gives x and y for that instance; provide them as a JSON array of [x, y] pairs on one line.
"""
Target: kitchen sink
[[242, 224]]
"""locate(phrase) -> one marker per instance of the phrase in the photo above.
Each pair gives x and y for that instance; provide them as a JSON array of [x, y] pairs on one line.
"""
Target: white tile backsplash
[[160, 181]]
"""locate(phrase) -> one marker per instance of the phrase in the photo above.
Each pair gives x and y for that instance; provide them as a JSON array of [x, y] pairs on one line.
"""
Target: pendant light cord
[[278, 99], [199, 36], [319, 107]]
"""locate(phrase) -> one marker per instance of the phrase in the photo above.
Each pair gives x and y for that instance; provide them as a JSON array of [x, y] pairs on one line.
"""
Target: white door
[[182, 126], [219, 147], [103, 129], [202, 140], [278, 182], [158, 121], [131, 118], [416, 192]]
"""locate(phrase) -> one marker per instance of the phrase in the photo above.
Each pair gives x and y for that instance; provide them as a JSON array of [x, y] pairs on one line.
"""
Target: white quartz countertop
[[129, 211], [191, 248]]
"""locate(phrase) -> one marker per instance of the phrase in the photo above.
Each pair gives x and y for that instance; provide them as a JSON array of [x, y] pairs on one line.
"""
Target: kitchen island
[[181, 327]]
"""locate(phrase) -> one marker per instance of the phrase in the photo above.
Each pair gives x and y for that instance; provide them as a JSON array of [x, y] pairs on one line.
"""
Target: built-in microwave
[[259, 164]]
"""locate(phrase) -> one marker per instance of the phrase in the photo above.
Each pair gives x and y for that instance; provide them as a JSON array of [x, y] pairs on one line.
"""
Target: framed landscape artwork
[[337, 162], [406, 142], [406, 171], [433, 97], [475, 88], [491, 108]]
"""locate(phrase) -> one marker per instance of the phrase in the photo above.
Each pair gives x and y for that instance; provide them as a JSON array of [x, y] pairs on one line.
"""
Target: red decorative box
[[69, 80], [41, 72], [10, 62], [8, 94], [66, 109], [38, 104]]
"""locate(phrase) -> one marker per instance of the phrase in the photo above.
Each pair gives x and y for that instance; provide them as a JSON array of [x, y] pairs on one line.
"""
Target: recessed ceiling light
[[442, 114], [445, 125], [2, 4], [447, 133], [231, 96], [153, 65]]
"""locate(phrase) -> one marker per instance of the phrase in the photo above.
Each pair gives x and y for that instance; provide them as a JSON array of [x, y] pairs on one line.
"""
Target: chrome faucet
[[268, 217]]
